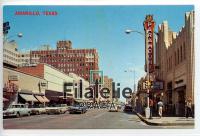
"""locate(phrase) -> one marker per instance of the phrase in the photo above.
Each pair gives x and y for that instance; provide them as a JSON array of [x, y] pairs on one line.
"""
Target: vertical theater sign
[[149, 25]]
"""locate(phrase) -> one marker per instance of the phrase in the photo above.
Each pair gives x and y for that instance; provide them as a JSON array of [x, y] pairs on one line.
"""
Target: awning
[[45, 99], [40, 98], [28, 97]]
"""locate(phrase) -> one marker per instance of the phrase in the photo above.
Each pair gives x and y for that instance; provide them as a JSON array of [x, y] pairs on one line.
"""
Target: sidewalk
[[167, 121]]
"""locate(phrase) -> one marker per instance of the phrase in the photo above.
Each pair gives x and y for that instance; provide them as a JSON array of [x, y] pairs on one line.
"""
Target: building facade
[[10, 54], [20, 87], [61, 87], [175, 58], [108, 84], [67, 59]]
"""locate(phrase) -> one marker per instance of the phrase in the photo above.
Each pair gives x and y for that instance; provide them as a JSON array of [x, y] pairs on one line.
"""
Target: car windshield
[[38, 106], [76, 105], [15, 106]]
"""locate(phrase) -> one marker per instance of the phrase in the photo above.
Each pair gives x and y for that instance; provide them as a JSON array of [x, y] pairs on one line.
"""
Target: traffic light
[[147, 84], [6, 27]]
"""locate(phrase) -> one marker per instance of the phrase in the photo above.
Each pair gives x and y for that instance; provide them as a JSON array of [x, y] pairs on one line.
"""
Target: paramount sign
[[149, 43]]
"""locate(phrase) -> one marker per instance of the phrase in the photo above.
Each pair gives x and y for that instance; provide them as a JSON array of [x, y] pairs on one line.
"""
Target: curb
[[161, 124]]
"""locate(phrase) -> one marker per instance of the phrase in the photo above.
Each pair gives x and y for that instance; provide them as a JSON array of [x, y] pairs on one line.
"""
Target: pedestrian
[[151, 108], [160, 108], [189, 108]]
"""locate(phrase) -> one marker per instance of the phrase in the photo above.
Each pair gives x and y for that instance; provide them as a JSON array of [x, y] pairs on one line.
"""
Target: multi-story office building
[[24, 59], [175, 58], [10, 54], [67, 59]]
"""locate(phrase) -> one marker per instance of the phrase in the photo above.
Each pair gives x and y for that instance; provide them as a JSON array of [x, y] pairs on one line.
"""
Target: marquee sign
[[149, 43]]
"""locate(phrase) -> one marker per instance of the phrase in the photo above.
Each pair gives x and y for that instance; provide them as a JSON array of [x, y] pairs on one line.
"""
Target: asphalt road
[[95, 118]]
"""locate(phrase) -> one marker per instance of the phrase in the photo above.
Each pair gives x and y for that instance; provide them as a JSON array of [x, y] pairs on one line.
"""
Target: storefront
[[20, 87], [180, 95], [32, 99]]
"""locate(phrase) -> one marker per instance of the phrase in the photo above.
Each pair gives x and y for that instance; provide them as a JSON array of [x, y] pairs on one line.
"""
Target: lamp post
[[134, 77], [148, 34], [7, 38]]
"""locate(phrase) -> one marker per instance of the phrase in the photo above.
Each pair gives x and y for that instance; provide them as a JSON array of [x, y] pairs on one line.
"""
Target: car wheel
[[17, 115], [29, 114]]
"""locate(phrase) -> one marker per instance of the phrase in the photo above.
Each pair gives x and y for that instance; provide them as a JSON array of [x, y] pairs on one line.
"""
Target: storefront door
[[181, 103]]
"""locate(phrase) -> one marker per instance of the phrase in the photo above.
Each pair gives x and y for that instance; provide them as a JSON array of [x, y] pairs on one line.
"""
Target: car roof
[[18, 104]]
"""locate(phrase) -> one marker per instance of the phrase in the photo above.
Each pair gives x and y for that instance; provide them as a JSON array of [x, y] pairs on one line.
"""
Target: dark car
[[128, 108], [77, 109]]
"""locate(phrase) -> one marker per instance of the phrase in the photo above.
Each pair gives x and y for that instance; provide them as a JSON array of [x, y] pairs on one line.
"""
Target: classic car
[[128, 108], [17, 110], [36, 110], [57, 109], [77, 109]]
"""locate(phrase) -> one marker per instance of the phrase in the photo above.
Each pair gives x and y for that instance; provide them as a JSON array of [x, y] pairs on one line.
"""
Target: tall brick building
[[67, 59]]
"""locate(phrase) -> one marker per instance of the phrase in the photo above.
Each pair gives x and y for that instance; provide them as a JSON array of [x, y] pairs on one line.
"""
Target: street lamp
[[134, 76], [128, 31], [7, 38]]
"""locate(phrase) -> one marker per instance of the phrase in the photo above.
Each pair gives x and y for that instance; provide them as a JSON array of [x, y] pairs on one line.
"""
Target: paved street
[[95, 118]]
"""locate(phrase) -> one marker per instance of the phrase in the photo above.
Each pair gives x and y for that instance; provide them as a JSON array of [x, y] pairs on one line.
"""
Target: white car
[[17, 110], [38, 110], [57, 109]]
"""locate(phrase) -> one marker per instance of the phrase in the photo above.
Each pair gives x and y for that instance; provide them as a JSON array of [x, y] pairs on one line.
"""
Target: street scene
[[98, 67], [101, 119]]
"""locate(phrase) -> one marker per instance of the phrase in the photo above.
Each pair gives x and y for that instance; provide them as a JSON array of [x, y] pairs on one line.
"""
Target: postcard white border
[[111, 132]]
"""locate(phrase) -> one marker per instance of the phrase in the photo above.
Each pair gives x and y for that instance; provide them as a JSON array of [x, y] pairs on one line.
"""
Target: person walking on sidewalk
[[151, 108], [189, 108], [160, 108]]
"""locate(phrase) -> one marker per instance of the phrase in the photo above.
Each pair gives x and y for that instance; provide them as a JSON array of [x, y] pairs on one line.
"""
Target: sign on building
[[13, 77], [149, 25]]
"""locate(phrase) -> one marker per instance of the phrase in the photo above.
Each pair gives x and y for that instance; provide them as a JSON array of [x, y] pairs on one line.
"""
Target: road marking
[[99, 115]]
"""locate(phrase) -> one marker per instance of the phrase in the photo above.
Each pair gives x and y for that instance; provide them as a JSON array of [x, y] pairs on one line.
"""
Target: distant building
[[24, 59], [10, 54], [108, 84], [67, 59]]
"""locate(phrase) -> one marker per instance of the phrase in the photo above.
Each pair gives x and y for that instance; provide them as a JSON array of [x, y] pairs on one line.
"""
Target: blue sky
[[100, 27]]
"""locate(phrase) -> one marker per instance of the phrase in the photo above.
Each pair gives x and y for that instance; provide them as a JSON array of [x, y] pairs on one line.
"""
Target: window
[[175, 57], [178, 55], [181, 54], [184, 50]]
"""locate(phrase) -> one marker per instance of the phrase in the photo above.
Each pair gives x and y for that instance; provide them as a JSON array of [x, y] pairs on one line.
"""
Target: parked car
[[128, 108], [57, 109], [17, 110], [36, 110], [77, 109]]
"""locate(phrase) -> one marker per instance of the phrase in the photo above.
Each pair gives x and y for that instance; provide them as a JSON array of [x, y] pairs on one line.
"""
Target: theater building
[[175, 58]]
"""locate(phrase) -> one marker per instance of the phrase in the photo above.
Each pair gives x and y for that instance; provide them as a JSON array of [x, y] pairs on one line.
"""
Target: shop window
[[181, 54]]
